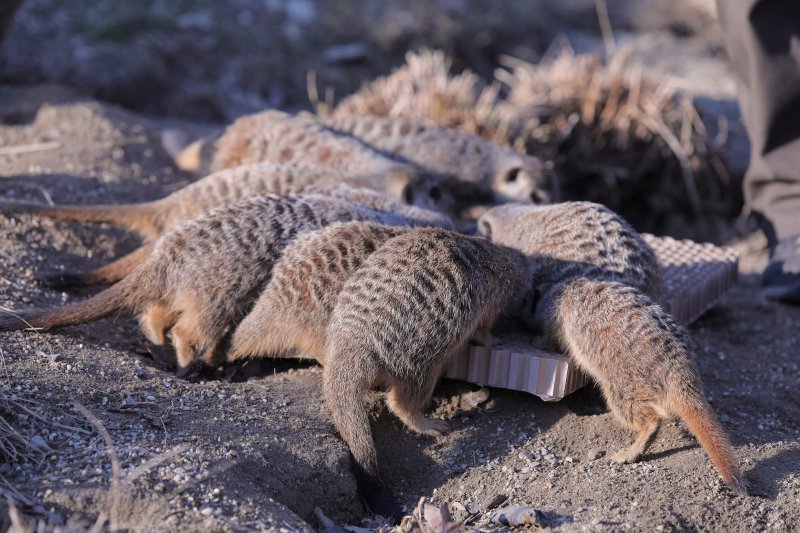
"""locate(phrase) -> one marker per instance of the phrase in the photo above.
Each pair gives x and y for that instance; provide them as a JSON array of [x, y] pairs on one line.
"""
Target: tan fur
[[597, 284], [153, 219], [468, 168], [203, 277], [283, 138], [290, 316], [400, 317], [510, 175]]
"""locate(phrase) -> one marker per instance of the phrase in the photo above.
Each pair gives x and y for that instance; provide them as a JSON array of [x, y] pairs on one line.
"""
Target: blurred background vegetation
[[210, 60], [631, 101]]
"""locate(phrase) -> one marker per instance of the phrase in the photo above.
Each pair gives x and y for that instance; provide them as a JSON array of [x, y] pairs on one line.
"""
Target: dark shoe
[[781, 278]]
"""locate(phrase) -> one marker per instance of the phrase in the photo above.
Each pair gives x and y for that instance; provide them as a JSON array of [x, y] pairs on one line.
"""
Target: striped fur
[[153, 219], [412, 304], [204, 276], [506, 173], [290, 316], [468, 168], [597, 284]]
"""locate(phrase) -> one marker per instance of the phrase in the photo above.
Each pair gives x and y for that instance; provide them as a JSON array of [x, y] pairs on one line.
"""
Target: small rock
[[519, 515], [594, 454], [40, 443], [497, 501], [345, 53]]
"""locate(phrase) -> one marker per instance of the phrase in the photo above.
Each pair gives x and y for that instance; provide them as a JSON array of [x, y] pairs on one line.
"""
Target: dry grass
[[21, 420], [616, 137], [613, 136], [21, 423], [425, 89]]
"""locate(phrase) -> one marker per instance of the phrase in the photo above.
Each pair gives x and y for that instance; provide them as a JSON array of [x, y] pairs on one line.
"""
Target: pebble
[[594, 454]]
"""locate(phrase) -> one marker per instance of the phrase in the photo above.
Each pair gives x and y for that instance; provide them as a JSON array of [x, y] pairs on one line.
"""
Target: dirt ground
[[113, 438]]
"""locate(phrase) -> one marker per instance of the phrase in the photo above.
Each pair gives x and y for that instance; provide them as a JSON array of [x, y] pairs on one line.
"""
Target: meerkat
[[152, 219], [597, 287], [508, 174], [410, 306], [473, 170], [202, 277], [290, 316], [279, 137]]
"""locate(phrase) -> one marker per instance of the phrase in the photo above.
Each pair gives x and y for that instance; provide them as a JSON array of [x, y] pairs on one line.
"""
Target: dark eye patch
[[408, 195], [512, 175]]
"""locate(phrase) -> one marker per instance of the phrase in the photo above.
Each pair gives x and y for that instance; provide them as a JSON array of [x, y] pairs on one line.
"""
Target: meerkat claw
[[434, 427], [624, 457]]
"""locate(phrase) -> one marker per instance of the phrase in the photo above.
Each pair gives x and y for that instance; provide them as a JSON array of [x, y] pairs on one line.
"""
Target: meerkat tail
[[135, 217], [106, 274], [695, 411], [115, 298], [344, 386]]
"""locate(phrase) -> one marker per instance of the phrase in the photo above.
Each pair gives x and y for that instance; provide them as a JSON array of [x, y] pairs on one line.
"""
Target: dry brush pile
[[614, 136]]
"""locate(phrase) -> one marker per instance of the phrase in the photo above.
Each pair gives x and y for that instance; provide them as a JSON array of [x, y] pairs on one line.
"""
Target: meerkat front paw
[[433, 427], [625, 456], [481, 338]]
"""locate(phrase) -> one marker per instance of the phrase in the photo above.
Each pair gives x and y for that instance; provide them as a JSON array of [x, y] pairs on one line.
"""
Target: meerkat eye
[[408, 195], [435, 194], [512, 175], [485, 229]]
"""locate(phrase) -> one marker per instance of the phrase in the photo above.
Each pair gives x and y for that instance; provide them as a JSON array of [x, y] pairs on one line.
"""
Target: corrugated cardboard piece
[[695, 276]]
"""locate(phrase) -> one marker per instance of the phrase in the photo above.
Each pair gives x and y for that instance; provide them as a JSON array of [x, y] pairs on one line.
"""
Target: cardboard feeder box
[[695, 276]]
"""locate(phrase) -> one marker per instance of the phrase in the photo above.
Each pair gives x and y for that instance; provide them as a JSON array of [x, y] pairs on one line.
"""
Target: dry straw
[[613, 135]]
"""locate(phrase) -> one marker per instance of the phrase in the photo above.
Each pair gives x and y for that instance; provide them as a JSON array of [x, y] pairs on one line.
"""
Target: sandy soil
[[261, 454]]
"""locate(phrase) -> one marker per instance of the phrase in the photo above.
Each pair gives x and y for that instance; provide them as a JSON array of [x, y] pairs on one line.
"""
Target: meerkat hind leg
[[646, 434], [482, 336], [408, 408]]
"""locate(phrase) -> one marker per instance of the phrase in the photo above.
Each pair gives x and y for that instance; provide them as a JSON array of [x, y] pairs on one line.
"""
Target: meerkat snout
[[485, 228], [520, 178]]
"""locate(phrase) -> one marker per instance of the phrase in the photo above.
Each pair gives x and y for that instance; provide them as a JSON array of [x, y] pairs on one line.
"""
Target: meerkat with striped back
[[278, 137], [152, 219], [597, 288], [471, 169], [202, 277], [500, 170], [392, 304], [290, 316], [411, 305]]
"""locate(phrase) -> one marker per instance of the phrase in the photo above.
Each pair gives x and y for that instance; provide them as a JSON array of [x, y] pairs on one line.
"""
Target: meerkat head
[[418, 188], [520, 178], [501, 224]]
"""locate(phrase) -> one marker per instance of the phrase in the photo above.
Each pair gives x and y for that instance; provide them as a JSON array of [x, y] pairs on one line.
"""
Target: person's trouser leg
[[763, 41]]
